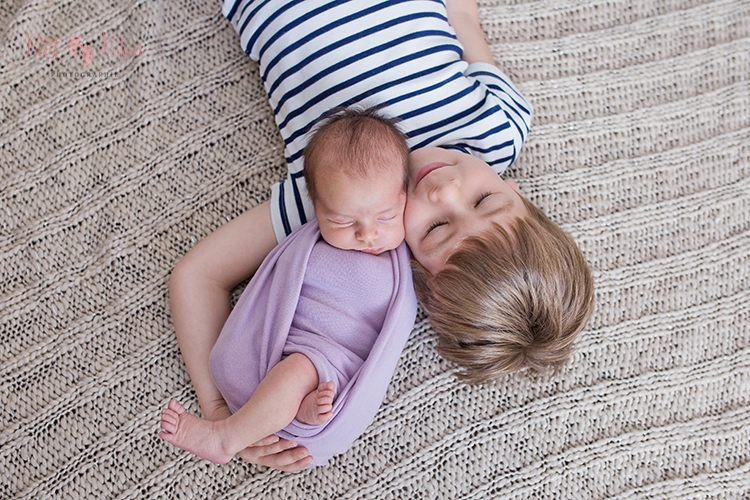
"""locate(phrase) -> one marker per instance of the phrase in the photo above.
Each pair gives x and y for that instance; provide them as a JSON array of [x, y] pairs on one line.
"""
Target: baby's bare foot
[[192, 434], [316, 408]]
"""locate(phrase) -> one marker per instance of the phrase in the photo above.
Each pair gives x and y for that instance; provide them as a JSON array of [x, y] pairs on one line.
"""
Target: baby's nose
[[367, 233]]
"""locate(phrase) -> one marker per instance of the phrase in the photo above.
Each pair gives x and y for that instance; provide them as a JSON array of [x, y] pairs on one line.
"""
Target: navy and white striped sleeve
[[500, 142]]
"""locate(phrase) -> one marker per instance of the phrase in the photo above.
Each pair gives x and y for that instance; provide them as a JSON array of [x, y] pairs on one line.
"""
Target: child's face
[[363, 214], [453, 195]]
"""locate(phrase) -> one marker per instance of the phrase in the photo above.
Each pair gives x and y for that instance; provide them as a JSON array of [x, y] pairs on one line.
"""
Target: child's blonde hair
[[509, 299], [354, 141]]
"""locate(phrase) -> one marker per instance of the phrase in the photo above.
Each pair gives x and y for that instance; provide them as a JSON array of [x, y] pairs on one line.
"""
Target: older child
[[318, 322], [530, 288]]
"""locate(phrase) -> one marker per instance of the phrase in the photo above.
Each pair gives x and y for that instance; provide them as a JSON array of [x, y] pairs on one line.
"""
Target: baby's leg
[[192, 433], [317, 405], [272, 407]]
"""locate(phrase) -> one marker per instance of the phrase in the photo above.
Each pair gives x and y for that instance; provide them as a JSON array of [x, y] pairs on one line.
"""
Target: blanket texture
[[311, 298], [122, 147]]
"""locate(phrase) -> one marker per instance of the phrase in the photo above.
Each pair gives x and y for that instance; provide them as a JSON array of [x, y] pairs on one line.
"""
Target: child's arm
[[199, 297], [199, 294], [277, 453], [464, 17]]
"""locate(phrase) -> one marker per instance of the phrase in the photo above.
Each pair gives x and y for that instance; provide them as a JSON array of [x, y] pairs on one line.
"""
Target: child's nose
[[444, 192]]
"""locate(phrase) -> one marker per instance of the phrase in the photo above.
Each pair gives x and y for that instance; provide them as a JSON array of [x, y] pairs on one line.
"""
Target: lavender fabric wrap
[[349, 312]]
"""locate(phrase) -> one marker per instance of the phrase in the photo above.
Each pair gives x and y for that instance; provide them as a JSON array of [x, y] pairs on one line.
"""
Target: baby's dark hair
[[355, 140], [509, 299]]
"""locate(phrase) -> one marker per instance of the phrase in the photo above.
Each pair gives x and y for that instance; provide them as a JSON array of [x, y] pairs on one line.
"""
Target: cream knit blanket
[[122, 147]]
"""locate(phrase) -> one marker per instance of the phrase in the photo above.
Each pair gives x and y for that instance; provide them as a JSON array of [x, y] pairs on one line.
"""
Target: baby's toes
[[325, 404], [176, 407], [325, 399], [169, 421], [327, 389]]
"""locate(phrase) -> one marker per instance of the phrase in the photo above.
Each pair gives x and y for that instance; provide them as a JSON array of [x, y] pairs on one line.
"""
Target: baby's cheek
[[399, 234], [332, 237]]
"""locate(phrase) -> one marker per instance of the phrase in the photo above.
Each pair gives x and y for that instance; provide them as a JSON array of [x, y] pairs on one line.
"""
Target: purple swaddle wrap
[[349, 312]]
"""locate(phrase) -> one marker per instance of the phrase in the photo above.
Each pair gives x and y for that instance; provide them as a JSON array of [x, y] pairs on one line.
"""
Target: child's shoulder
[[267, 23]]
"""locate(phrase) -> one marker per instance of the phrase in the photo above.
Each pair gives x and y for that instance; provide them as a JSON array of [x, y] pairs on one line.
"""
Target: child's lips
[[426, 170], [373, 251]]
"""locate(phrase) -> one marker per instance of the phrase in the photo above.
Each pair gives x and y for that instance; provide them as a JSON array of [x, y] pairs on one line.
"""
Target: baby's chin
[[374, 251], [379, 250], [369, 251]]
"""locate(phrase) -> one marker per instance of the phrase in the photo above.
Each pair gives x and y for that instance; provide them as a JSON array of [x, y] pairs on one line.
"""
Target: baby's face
[[362, 214], [453, 195]]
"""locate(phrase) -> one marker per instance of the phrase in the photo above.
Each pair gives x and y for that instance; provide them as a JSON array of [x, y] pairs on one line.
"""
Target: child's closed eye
[[434, 226], [482, 197]]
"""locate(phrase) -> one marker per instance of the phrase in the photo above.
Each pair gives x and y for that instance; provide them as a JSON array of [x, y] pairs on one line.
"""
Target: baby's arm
[[464, 17]]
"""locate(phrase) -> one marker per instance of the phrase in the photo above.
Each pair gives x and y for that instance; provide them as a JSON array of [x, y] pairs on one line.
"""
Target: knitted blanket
[[122, 147]]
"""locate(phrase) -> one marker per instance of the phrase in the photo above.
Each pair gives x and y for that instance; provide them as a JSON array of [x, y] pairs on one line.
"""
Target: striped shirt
[[401, 55]]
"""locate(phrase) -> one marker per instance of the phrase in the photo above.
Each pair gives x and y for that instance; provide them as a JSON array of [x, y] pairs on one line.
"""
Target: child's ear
[[514, 186]]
